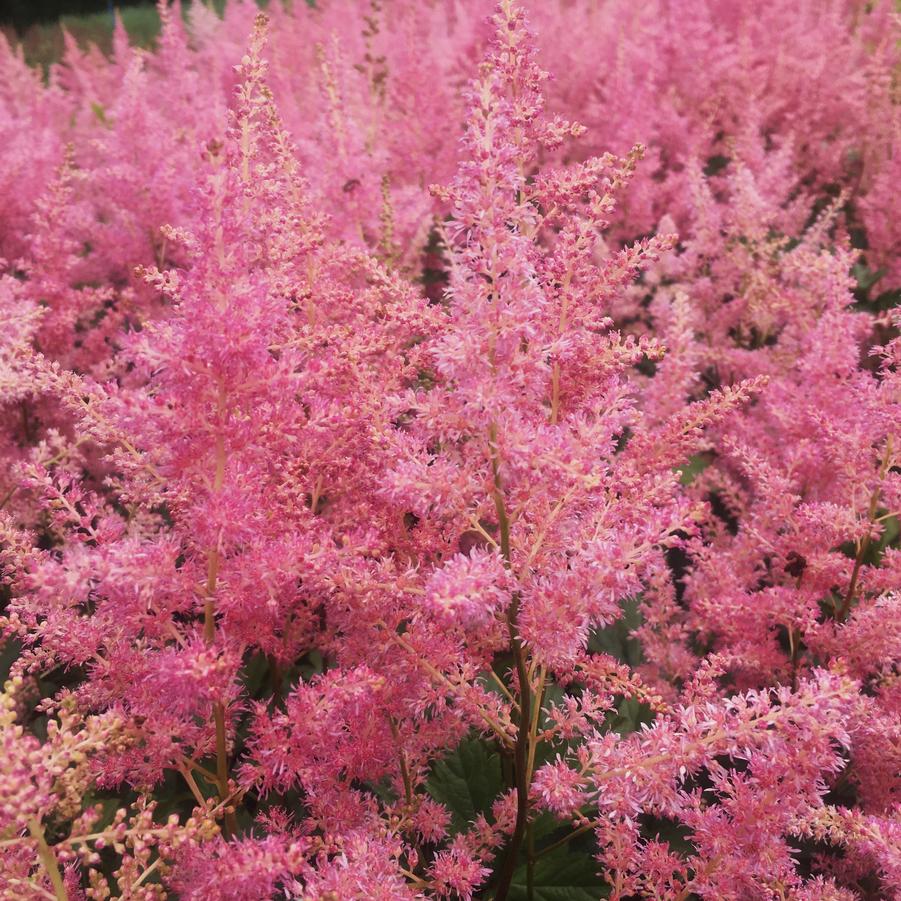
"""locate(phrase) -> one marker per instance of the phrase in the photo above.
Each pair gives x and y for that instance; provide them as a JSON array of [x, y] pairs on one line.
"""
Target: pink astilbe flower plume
[[410, 492]]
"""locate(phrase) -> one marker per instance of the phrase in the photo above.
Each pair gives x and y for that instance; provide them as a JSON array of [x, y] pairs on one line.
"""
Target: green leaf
[[891, 531], [100, 112], [383, 790], [616, 639], [254, 673], [677, 836], [545, 825], [887, 300], [629, 717], [689, 471], [716, 164], [9, 652], [561, 876], [467, 781], [865, 276]]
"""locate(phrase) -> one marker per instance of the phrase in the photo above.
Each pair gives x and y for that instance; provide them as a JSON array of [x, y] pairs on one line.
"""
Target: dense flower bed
[[427, 478]]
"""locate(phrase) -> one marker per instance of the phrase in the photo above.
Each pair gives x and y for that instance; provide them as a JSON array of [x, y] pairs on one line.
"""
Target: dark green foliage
[[562, 875], [22, 13], [467, 782]]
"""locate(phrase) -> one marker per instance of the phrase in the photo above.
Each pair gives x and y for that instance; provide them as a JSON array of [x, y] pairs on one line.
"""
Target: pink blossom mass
[[453, 451]]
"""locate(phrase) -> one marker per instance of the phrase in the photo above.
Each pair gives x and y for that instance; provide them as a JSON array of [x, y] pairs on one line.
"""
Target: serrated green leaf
[[467, 781], [561, 876]]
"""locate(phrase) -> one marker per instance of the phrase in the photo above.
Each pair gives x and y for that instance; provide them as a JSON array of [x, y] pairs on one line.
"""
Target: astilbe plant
[[530, 535]]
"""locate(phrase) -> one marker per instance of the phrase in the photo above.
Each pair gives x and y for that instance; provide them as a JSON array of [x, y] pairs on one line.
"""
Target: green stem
[[209, 634], [521, 748], [48, 860], [587, 827], [845, 608], [402, 760]]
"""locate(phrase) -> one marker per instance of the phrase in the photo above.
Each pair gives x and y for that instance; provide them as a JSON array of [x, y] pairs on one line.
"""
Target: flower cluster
[[410, 492]]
